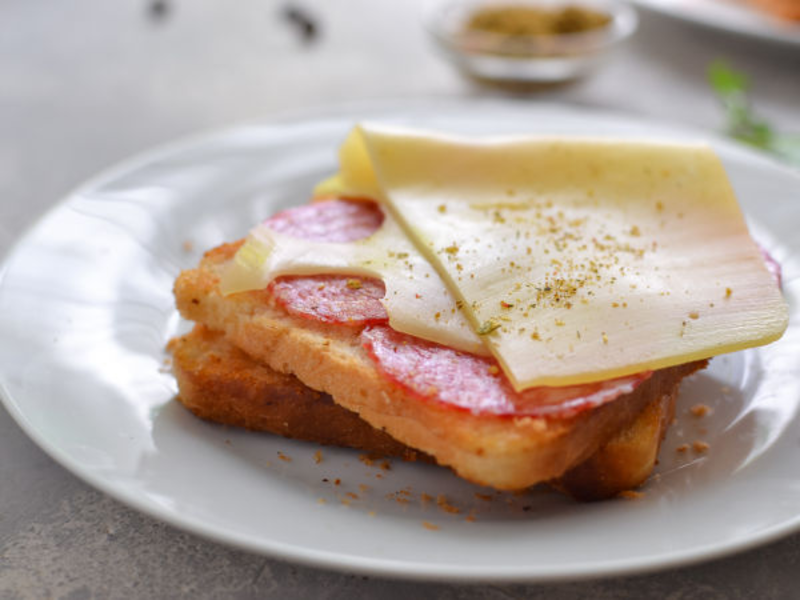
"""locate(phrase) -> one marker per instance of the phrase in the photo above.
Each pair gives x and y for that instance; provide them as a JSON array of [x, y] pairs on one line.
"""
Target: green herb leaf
[[725, 80], [742, 123], [488, 327]]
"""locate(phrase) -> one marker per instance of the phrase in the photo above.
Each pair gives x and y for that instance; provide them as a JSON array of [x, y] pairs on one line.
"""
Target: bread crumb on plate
[[631, 494]]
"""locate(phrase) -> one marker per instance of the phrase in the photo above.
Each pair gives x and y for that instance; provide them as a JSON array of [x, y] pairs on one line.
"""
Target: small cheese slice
[[576, 260], [416, 300]]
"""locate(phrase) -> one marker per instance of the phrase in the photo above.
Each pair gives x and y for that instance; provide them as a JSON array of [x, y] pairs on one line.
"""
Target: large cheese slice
[[576, 260]]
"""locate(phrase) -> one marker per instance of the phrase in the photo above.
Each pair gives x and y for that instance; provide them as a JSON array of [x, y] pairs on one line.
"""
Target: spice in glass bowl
[[522, 21], [529, 41]]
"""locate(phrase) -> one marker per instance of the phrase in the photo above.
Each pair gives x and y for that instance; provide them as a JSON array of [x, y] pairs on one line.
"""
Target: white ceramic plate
[[87, 309], [732, 16]]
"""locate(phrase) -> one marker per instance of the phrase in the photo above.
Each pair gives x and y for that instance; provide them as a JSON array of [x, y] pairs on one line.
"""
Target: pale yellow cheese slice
[[576, 260], [417, 301]]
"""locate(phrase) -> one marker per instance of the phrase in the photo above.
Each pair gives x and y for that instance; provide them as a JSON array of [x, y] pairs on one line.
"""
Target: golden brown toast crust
[[220, 383], [503, 452], [627, 459]]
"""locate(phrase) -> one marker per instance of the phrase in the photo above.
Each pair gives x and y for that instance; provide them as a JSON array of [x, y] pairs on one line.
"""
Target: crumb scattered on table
[[441, 502]]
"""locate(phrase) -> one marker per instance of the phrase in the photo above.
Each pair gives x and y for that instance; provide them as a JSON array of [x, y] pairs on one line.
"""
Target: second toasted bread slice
[[220, 383]]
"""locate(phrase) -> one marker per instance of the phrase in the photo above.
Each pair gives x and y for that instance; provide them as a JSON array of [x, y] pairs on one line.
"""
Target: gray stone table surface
[[86, 83]]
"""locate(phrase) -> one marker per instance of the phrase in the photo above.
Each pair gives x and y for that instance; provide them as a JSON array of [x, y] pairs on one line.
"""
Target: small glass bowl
[[537, 59]]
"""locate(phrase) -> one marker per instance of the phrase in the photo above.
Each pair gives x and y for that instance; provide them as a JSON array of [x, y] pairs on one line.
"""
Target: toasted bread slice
[[220, 383], [500, 451]]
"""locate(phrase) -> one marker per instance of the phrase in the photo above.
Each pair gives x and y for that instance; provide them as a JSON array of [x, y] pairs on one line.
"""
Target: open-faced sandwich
[[521, 310]]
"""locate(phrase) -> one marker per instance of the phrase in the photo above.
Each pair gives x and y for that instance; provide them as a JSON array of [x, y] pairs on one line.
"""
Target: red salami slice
[[332, 298], [433, 372], [329, 221], [339, 299]]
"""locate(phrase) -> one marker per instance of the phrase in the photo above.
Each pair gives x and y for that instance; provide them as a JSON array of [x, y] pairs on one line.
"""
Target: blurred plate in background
[[732, 16]]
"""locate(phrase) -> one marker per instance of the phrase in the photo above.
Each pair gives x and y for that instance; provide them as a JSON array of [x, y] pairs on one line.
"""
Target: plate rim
[[331, 560]]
